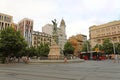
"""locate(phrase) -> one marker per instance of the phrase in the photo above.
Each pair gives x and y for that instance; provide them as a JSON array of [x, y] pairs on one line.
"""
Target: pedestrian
[[65, 60], [109, 56], [116, 58]]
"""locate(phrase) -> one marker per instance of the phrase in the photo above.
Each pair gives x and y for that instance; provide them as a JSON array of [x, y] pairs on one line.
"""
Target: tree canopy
[[43, 50], [99, 47], [117, 48], [86, 46], [68, 49], [107, 46], [11, 42]]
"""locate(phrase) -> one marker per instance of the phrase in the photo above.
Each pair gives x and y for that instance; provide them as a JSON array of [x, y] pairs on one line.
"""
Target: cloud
[[30, 7], [80, 27], [79, 15]]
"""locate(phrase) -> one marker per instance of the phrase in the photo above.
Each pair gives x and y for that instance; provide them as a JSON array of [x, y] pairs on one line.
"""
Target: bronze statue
[[55, 35], [54, 26]]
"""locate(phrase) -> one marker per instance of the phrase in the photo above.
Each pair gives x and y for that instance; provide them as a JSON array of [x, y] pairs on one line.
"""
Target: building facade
[[109, 30], [77, 42], [26, 28], [15, 26], [40, 37], [5, 21], [61, 31], [48, 28]]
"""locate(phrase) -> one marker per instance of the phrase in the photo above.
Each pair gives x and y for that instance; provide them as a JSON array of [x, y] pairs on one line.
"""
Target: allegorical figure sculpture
[[55, 35], [54, 48], [54, 26]]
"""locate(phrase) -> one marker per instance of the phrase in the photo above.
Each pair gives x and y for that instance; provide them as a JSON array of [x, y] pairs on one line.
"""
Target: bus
[[92, 55]]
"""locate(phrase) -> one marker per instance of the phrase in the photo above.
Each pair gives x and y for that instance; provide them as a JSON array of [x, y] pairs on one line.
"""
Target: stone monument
[[54, 48]]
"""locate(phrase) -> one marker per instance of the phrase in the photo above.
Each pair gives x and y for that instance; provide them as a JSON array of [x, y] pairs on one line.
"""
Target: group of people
[[114, 57], [24, 59]]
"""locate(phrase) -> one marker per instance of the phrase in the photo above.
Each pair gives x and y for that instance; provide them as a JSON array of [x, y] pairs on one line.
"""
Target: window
[[114, 32], [34, 42], [115, 27], [107, 29], [38, 42], [107, 34], [112, 28], [118, 27], [4, 18], [35, 38], [41, 39], [38, 37]]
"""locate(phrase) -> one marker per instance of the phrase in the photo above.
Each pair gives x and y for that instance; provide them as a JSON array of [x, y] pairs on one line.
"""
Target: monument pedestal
[[54, 52], [54, 48]]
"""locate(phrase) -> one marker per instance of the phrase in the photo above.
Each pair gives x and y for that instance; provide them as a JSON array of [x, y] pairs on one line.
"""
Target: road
[[88, 70]]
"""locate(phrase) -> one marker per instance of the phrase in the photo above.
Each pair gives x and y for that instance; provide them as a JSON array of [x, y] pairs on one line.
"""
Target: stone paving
[[88, 70]]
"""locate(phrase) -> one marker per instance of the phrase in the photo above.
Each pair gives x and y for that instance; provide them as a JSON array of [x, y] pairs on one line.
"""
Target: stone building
[[40, 37], [26, 28], [77, 42], [5, 21], [109, 30], [15, 26], [48, 28], [61, 31]]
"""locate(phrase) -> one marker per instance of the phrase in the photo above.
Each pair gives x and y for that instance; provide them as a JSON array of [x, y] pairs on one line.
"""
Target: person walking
[[116, 58]]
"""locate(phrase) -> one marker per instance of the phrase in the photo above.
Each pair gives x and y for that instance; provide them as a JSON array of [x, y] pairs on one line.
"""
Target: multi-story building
[[5, 21], [48, 28], [40, 37], [77, 42], [26, 28], [61, 31], [109, 30], [15, 26]]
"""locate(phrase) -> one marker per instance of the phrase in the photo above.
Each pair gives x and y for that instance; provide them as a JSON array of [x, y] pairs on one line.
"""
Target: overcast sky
[[79, 15]]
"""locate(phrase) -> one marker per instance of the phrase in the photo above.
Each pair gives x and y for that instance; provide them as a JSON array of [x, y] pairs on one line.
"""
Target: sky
[[79, 15]]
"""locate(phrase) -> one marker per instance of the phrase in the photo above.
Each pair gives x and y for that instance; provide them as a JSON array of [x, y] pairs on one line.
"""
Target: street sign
[[96, 49]]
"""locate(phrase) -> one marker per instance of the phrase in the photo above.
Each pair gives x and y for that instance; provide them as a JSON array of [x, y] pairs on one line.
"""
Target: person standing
[[116, 58]]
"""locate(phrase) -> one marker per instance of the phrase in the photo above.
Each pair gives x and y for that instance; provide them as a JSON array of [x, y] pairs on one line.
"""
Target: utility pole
[[113, 47]]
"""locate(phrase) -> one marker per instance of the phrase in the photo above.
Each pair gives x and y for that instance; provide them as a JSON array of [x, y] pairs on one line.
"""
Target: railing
[[23, 60], [47, 58]]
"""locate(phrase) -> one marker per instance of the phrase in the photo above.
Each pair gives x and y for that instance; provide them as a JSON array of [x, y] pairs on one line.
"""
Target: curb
[[56, 61]]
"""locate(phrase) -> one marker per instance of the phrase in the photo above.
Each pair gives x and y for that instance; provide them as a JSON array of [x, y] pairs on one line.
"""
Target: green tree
[[86, 46], [100, 47], [43, 50], [11, 42], [68, 49], [46, 50], [117, 48], [39, 49], [107, 46], [32, 51]]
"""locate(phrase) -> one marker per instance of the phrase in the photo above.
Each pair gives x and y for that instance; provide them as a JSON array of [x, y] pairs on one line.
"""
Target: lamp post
[[113, 47], [87, 46]]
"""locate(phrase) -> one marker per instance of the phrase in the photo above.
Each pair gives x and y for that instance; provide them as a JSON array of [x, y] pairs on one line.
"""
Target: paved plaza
[[88, 70]]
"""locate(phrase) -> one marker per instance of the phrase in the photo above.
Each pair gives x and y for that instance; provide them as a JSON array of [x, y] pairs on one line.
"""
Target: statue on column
[[54, 48], [54, 26], [55, 35]]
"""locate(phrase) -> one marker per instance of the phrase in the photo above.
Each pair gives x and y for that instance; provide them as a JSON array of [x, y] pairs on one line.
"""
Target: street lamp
[[87, 46], [113, 47]]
